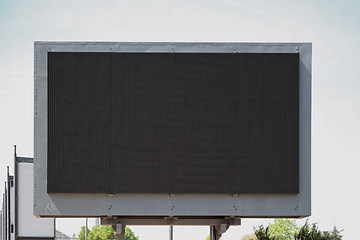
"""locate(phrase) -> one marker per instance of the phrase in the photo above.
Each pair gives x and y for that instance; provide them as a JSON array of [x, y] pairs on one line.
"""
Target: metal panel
[[29, 226], [244, 205]]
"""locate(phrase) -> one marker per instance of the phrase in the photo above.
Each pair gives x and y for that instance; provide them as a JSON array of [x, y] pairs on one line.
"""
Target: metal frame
[[189, 205]]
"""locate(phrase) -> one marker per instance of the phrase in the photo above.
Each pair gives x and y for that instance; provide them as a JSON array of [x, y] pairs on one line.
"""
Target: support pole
[[217, 230], [213, 235], [171, 232], [86, 228], [119, 231]]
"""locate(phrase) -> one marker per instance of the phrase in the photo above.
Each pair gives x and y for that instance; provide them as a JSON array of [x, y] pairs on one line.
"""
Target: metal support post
[[171, 232], [86, 228], [119, 231], [217, 230], [97, 221]]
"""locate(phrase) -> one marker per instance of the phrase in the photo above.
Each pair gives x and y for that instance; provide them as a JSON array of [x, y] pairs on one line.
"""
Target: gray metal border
[[186, 205]]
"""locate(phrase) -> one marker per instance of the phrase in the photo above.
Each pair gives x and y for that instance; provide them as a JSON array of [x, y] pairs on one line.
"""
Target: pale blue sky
[[332, 26]]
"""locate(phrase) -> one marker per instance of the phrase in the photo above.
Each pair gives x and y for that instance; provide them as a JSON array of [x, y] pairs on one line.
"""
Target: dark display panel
[[173, 122]]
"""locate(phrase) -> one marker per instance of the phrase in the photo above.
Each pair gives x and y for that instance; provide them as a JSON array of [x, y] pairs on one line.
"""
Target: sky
[[333, 27]]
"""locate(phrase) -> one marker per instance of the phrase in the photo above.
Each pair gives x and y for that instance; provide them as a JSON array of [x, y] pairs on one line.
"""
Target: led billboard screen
[[165, 122]]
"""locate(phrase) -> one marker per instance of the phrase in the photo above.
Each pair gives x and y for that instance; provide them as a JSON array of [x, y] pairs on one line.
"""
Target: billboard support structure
[[218, 226]]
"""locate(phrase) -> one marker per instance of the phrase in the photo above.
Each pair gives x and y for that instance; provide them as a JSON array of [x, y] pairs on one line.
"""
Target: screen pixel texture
[[208, 123]]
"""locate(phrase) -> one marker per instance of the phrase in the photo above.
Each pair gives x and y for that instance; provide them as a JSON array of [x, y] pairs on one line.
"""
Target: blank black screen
[[173, 122]]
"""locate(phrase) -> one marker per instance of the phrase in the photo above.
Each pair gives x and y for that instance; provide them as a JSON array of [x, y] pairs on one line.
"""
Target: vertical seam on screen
[[110, 148], [175, 156], [172, 167], [237, 110]]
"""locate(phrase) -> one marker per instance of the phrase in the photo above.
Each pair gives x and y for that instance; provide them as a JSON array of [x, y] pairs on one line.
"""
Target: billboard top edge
[[173, 43], [42, 47]]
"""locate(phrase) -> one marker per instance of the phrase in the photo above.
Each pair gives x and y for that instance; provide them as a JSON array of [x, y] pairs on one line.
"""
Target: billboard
[[17, 219], [1, 226], [3, 218], [7, 209], [172, 129], [27, 225], [11, 206]]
